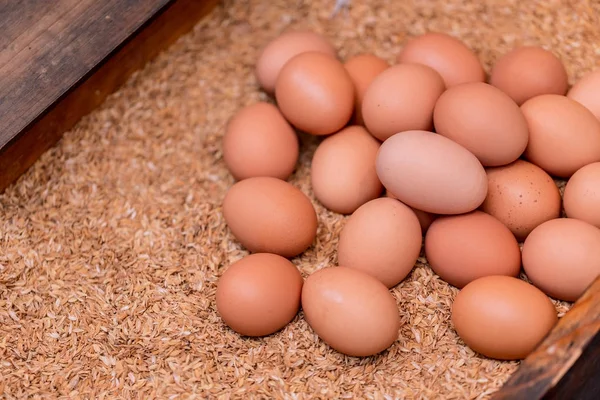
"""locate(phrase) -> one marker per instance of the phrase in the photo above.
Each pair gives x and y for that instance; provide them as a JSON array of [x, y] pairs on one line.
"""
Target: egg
[[462, 248], [585, 92], [259, 294], [401, 98], [529, 71], [448, 55], [350, 311], [563, 135], [502, 317], [522, 196], [343, 175], [484, 120], [268, 215], [315, 93], [278, 51], [432, 173], [363, 68], [382, 238], [562, 257], [425, 218], [258, 141], [581, 198]]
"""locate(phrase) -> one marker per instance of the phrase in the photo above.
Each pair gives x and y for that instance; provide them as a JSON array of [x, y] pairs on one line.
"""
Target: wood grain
[[566, 365], [59, 63]]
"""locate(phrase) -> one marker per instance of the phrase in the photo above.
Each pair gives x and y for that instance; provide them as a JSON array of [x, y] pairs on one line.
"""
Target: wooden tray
[[60, 59]]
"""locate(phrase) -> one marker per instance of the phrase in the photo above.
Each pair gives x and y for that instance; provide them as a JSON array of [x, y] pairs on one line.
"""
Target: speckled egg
[[522, 196]]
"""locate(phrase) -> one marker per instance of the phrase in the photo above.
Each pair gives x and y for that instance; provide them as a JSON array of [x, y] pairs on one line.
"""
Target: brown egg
[[585, 91], [502, 317], [258, 141], [401, 98], [484, 120], [259, 294], [351, 311], [563, 135], [562, 257], [315, 93], [277, 52], [462, 248], [581, 198], [363, 68], [343, 172], [432, 173], [382, 238], [425, 218], [521, 196], [268, 215], [529, 71], [448, 55]]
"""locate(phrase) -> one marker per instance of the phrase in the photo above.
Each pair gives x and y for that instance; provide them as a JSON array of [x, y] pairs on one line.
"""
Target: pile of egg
[[426, 153]]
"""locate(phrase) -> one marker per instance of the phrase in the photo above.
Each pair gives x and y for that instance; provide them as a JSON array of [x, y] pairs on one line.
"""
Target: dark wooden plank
[[21, 22], [566, 365], [50, 79]]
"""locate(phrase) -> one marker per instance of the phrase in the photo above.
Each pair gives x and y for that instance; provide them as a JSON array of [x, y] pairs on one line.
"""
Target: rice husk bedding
[[112, 244]]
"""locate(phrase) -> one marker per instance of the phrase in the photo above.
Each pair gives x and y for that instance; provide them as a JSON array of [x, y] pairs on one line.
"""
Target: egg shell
[[432, 173], [529, 71], [502, 317], [585, 92], [563, 135], [315, 93], [448, 55], [343, 175], [278, 51], [363, 68], [562, 257], [268, 215], [462, 248], [484, 120], [259, 294], [401, 98], [581, 198], [258, 141], [350, 311], [425, 218], [522, 196], [382, 238]]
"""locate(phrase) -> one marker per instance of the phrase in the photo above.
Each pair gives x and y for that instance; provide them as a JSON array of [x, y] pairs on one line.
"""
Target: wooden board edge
[[174, 20], [567, 362]]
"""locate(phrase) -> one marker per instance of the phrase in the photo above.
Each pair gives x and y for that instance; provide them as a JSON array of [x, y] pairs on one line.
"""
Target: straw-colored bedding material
[[112, 244]]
